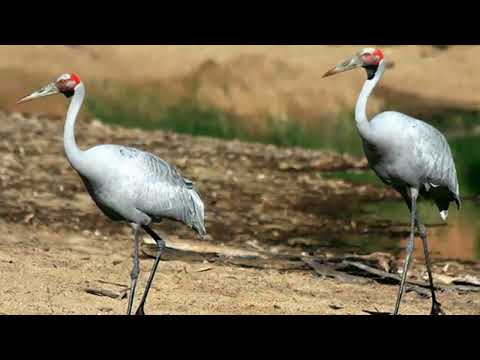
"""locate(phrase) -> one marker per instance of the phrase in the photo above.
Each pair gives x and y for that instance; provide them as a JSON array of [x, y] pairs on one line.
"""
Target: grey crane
[[407, 154], [128, 185]]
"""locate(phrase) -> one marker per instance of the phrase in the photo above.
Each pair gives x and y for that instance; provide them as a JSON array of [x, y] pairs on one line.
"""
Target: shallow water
[[457, 238]]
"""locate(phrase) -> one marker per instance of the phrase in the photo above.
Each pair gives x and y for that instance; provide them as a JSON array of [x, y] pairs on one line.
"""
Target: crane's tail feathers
[[444, 215], [197, 212], [201, 233], [444, 209]]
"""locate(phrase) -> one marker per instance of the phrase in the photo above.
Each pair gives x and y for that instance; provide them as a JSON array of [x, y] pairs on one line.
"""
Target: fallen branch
[[104, 292], [349, 268], [171, 254], [277, 262], [383, 274], [327, 270], [377, 312], [418, 287]]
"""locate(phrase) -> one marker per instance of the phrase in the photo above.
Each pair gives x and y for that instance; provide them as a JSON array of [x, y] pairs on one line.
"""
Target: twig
[[325, 270], [376, 312], [382, 274], [104, 292], [416, 286]]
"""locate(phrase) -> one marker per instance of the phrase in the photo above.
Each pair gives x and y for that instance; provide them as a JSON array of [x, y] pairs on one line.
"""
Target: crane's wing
[[164, 192], [431, 158], [414, 152], [440, 170]]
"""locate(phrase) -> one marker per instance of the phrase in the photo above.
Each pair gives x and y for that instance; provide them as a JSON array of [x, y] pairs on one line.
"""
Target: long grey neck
[[73, 152], [363, 125]]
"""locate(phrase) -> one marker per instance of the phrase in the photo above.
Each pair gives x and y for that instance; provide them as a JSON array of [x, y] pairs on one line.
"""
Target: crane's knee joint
[[135, 271], [423, 231], [160, 245], [134, 274], [146, 220], [421, 228]]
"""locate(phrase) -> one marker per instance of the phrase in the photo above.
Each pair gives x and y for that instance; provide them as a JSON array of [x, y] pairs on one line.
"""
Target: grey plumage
[[407, 154], [126, 181], [127, 184]]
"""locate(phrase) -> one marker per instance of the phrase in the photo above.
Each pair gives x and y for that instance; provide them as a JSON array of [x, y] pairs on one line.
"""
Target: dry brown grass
[[248, 80]]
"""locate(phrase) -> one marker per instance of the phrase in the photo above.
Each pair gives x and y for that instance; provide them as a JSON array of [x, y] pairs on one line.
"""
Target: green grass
[[466, 152], [146, 110], [455, 120], [190, 118]]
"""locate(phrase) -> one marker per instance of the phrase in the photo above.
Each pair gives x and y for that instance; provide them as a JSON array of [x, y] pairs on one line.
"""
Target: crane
[[407, 154], [127, 185]]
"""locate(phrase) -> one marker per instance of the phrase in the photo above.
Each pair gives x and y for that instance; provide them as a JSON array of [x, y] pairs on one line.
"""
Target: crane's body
[[407, 154], [127, 184]]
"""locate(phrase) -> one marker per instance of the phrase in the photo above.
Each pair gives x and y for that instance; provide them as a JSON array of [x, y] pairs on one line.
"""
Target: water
[[458, 238]]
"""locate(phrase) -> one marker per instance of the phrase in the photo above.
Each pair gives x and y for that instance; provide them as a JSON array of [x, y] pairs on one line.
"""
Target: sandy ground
[[51, 279], [55, 244]]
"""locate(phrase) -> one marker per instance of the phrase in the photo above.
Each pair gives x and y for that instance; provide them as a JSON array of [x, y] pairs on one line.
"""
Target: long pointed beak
[[50, 89], [350, 64]]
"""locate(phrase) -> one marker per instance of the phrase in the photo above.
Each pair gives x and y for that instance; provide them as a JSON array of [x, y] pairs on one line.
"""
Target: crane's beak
[[50, 89], [350, 64]]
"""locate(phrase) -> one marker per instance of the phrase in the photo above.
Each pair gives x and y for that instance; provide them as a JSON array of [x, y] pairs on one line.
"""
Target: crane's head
[[368, 58], [65, 84]]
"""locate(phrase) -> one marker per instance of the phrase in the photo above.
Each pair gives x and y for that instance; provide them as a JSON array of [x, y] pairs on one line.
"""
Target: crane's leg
[[436, 306], [160, 248], [410, 246], [136, 267]]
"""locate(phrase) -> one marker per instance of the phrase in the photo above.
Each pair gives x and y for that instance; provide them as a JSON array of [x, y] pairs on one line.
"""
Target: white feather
[[444, 215]]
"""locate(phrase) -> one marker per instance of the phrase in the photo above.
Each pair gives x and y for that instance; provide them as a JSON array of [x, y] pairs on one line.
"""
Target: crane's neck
[[363, 125], [72, 151]]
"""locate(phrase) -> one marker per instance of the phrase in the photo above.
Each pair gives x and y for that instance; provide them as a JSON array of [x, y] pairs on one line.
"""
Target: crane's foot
[[140, 311], [437, 309]]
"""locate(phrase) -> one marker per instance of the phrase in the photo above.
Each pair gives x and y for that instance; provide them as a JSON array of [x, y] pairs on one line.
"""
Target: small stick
[[103, 292]]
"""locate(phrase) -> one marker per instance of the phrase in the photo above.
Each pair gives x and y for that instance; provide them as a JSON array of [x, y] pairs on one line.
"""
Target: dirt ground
[[56, 248]]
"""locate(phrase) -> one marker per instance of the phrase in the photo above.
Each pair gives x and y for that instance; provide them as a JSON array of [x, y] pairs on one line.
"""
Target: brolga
[[407, 154], [128, 185]]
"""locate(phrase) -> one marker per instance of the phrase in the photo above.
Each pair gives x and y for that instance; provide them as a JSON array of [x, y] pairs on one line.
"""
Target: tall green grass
[[146, 110], [185, 117]]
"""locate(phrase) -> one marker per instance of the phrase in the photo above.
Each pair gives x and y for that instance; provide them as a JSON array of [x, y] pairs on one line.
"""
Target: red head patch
[[371, 56], [378, 53], [75, 78]]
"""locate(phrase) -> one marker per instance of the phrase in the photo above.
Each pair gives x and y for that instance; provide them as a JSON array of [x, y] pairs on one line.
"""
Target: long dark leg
[[160, 248], [136, 267], [436, 306], [410, 247]]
